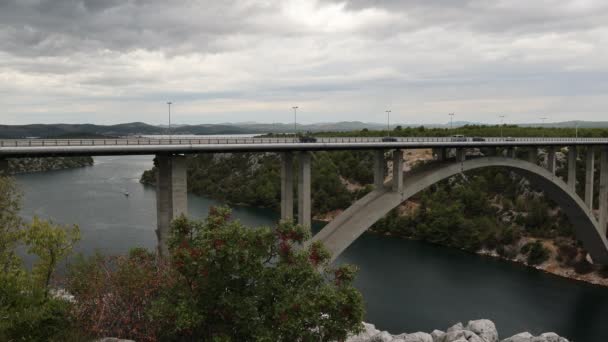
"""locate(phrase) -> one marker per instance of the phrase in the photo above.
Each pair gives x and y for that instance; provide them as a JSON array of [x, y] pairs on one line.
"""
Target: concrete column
[[379, 166], [589, 173], [533, 155], [551, 159], [441, 153], [603, 188], [572, 168], [3, 166], [171, 196], [511, 152], [460, 155], [397, 170], [304, 202], [286, 186], [179, 185]]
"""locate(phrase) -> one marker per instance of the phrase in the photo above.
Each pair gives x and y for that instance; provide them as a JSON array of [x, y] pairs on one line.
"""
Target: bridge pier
[[533, 155], [441, 154], [304, 196], [286, 186], [379, 166], [551, 159], [461, 154], [589, 173], [171, 196], [603, 208], [397, 170], [3, 166], [511, 152], [572, 154]]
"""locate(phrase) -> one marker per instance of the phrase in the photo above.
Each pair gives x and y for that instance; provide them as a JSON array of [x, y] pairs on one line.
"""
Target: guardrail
[[211, 141]]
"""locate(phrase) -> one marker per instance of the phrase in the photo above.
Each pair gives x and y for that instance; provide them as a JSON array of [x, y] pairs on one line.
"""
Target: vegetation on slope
[[223, 282], [26, 165]]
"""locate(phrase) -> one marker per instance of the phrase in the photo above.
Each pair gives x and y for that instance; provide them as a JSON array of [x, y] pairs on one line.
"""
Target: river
[[408, 286]]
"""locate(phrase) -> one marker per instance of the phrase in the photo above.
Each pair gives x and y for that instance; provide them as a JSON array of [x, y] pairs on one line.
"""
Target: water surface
[[408, 286]]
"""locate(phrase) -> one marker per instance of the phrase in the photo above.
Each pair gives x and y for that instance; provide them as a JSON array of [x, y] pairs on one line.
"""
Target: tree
[[51, 243], [28, 313], [236, 283], [10, 224]]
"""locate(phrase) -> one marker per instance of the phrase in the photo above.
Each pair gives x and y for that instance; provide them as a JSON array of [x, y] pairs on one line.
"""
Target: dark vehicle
[[307, 139], [389, 139], [478, 139], [459, 137]]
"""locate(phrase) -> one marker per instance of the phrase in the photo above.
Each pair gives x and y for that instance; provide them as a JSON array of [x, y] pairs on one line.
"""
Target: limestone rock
[[437, 335], [521, 337], [418, 337], [382, 336], [485, 329]]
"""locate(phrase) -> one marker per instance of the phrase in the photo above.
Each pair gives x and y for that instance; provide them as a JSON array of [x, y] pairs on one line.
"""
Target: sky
[[113, 61]]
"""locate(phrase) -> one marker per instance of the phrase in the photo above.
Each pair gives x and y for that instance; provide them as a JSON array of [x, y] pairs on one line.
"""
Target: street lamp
[[451, 121], [169, 105], [501, 124], [388, 122], [543, 120], [295, 114]]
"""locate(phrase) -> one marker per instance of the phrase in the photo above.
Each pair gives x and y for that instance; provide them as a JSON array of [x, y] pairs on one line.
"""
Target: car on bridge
[[478, 139], [307, 139], [389, 139], [459, 137]]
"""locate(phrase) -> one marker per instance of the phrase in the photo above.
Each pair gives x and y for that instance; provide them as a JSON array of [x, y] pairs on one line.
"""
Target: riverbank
[[475, 331], [29, 165]]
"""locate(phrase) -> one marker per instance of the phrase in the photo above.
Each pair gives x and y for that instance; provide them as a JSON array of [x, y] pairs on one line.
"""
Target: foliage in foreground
[[27, 312], [225, 282]]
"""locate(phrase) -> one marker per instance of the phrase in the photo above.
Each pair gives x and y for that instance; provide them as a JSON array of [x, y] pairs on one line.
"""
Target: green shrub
[[240, 284], [536, 253]]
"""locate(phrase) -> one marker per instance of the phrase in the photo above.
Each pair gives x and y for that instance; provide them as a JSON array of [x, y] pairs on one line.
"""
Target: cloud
[[120, 60]]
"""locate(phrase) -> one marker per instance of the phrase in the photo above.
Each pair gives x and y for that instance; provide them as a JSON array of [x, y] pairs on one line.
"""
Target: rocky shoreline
[[482, 330], [30, 165]]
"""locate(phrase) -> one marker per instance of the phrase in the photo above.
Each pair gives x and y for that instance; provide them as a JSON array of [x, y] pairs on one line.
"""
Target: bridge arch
[[354, 221]]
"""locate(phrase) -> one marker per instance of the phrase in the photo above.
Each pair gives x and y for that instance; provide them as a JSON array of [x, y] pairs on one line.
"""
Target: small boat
[[126, 193]]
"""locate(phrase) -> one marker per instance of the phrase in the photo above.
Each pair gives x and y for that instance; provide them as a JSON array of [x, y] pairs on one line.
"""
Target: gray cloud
[[338, 59]]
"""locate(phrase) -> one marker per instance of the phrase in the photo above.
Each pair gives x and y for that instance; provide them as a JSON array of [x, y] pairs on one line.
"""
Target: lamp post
[[451, 121], [501, 124], [388, 122], [295, 115], [543, 120], [169, 105]]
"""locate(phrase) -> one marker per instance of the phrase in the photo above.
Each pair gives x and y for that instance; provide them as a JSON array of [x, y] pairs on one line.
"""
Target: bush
[[28, 315], [537, 253], [583, 267], [238, 284], [113, 294]]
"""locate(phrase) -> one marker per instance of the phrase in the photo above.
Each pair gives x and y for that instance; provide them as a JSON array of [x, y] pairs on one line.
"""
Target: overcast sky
[[111, 61]]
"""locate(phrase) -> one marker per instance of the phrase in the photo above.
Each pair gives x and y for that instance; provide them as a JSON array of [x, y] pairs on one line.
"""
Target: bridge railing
[[263, 140]]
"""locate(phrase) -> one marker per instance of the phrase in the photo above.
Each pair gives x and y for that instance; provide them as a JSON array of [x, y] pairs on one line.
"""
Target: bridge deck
[[129, 146]]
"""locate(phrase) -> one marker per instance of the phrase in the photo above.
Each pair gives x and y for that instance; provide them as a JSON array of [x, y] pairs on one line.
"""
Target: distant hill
[[140, 128]]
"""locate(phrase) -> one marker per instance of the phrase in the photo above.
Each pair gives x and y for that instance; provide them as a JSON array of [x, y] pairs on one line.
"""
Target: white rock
[[382, 336], [521, 337], [437, 335], [455, 327], [418, 337], [485, 329]]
